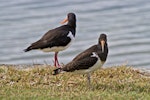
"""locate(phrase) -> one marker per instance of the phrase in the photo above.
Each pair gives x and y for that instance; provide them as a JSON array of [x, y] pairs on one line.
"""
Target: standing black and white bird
[[57, 39], [89, 60]]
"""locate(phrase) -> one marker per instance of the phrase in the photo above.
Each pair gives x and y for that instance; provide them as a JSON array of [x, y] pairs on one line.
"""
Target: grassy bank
[[119, 83]]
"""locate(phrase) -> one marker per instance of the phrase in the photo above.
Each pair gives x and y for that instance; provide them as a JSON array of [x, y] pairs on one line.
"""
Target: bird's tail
[[57, 71], [27, 49]]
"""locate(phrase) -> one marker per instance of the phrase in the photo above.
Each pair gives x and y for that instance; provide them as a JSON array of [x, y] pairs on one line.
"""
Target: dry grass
[[117, 83]]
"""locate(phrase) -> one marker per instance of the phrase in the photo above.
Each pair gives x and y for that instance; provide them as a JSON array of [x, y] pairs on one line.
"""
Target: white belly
[[56, 48], [96, 66]]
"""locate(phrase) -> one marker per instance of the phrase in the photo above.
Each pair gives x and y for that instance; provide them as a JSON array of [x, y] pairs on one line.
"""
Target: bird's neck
[[103, 55], [72, 24]]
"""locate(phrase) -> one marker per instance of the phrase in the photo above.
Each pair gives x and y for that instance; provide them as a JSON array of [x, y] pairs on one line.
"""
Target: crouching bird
[[57, 39], [89, 60]]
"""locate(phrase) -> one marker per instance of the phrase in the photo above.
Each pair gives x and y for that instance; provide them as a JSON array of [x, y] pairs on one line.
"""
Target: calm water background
[[126, 22]]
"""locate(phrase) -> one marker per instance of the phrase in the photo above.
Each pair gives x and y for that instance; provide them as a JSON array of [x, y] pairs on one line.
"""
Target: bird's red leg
[[56, 56], [56, 63]]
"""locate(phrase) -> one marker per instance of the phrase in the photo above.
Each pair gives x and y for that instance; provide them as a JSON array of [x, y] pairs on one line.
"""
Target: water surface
[[125, 22]]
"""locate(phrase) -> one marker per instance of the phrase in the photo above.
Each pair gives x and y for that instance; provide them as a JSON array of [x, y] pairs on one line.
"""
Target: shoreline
[[142, 71]]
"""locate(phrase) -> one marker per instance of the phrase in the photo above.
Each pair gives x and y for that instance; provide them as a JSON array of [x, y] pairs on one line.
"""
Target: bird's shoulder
[[87, 53], [83, 63], [56, 32]]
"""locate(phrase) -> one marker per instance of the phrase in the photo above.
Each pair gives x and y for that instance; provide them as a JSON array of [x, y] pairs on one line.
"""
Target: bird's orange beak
[[64, 21], [102, 45]]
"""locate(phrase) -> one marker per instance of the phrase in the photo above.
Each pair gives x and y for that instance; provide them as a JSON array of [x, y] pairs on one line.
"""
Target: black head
[[71, 19], [103, 37], [71, 16], [103, 48], [103, 41]]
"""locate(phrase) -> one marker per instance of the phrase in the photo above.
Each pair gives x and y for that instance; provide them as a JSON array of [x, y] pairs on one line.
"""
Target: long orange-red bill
[[64, 21], [102, 44]]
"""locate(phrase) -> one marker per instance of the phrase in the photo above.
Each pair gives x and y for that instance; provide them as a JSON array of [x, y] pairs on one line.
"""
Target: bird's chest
[[96, 66]]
